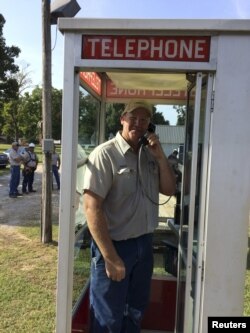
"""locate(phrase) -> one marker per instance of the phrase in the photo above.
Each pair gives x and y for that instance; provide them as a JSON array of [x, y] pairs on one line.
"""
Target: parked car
[[4, 160]]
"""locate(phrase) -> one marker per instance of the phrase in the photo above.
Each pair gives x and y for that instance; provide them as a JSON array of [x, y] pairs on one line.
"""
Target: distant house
[[171, 137]]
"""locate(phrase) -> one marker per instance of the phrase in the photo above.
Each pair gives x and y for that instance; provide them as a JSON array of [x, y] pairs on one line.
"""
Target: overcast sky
[[23, 23]]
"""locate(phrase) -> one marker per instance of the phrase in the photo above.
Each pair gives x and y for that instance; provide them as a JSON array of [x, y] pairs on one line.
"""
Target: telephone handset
[[143, 140]]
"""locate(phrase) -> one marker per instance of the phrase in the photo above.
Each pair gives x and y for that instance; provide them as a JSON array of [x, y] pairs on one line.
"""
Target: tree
[[10, 114], [181, 114], [88, 117], [56, 113], [31, 115], [158, 118], [22, 77], [12, 111], [113, 113], [23, 116], [8, 85]]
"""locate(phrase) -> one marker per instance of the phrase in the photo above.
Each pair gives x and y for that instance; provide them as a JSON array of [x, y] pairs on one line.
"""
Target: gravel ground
[[21, 210]]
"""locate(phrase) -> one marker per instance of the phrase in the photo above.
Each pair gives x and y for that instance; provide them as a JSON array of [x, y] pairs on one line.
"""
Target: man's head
[[31, 146], [15, 145], [133, 105], [135, 120]]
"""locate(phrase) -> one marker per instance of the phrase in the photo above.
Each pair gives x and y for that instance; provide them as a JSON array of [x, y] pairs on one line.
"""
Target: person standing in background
[[56, 162], [15, 162], [30, 165]]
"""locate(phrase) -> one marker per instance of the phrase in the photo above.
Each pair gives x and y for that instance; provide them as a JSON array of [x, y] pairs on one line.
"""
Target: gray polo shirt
[[128, 183], [13, 154]]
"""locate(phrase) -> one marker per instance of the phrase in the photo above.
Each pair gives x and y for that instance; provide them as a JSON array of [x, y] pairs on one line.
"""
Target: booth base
[[159, 317]]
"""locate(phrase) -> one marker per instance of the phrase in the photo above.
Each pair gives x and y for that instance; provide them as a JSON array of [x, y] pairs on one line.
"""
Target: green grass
[[28, 271]]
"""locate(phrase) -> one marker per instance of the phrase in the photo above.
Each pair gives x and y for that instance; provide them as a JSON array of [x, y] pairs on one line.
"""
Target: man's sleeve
[[98, 174]]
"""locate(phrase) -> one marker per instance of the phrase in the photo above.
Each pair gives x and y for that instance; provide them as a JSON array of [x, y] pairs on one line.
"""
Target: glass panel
[[186, 297], [89, 109], [165, 242], [184, 210]]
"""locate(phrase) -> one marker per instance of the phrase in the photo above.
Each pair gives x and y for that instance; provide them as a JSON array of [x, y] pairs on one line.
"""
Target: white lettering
[[143, 45], [187, 49], [132, 92], [158, 93], [130, 46], [93, 44], [155, 48], [199, 47], [113, 91], [116, 54], [106, 47], [147, 48], [176, 93], [216, 324], [120, 91], [168, 52]]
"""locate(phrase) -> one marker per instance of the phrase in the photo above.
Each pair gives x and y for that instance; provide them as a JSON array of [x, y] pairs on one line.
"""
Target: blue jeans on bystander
[[56, 174], [14, 179]]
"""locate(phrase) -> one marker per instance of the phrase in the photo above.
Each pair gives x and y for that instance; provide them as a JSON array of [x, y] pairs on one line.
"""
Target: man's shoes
[[32, 191], [19, 194], [13, 196], [25, 192]]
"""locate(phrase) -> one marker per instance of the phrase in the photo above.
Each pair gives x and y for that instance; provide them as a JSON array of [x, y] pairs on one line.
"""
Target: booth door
[[193, 198]]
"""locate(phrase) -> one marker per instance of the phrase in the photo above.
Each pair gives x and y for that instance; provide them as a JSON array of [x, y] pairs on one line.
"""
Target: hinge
[[202, 271], [212, 102]]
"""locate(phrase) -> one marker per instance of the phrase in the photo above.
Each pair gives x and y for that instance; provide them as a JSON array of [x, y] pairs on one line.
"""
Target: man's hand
[[154, 146], [115, 269], [97, 224]]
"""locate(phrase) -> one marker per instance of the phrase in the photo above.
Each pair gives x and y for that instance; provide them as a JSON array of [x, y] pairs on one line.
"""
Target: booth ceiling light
[[63, 8]]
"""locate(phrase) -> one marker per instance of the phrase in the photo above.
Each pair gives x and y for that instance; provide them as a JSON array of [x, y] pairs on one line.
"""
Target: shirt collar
[[124, 146]]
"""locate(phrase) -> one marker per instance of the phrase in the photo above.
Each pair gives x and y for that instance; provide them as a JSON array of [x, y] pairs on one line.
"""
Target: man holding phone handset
[[123, 179]]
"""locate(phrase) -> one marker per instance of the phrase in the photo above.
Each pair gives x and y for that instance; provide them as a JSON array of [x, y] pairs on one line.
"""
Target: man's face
[[135, 125]]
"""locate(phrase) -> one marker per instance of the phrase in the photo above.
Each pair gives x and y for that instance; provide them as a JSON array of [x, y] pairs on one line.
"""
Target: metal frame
[[192, 199], [203, 196], [67, 193], [73, 29]]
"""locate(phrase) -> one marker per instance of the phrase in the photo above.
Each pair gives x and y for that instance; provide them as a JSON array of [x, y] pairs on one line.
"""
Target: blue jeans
[[118, 307], [14, 179], [56, 174], [28, 179]]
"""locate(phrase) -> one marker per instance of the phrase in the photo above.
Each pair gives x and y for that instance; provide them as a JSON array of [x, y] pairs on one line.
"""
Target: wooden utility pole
[[46, 207]]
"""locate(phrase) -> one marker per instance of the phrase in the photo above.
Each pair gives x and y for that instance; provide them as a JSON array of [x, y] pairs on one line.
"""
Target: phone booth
[[200, 255]]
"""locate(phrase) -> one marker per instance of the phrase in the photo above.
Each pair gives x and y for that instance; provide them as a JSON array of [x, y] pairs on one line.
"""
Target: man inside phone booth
[[123, 179]]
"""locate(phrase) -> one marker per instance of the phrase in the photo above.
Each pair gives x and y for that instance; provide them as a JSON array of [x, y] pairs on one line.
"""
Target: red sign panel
[[151, 48], [93, 81], [113, 92]]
